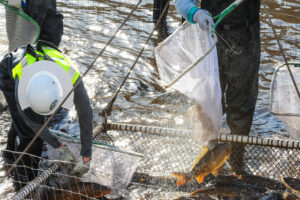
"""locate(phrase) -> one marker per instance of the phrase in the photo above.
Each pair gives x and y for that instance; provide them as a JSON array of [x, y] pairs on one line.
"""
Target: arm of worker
[[85, 116], [189, 10], [45, 135], [44, 12]]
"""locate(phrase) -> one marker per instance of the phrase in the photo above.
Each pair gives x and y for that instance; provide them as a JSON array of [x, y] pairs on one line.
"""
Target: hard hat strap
[[44, 56], [31, 51]]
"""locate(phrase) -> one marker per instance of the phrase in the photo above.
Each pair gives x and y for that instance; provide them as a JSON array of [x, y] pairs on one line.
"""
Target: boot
[[8, 154]]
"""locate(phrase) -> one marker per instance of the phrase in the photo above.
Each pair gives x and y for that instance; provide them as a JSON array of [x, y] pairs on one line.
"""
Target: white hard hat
[[43, 86], [44, 92]]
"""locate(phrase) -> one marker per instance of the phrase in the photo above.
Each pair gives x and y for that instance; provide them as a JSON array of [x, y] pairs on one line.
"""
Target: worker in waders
[[238, 58], [158, 7], [35, 80]]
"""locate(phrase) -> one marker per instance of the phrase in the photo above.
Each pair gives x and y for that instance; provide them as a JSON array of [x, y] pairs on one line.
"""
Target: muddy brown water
[[89, 24]]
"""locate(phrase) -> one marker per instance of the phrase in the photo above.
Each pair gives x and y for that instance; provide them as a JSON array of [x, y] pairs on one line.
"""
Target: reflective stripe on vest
[[58, 57]]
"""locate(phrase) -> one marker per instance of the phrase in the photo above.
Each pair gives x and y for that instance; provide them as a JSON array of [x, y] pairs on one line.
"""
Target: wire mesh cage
[[60, 185]]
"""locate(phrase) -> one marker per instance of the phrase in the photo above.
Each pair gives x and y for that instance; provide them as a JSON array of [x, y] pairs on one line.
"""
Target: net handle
[[224, 13], [21, 13], [219, 18]]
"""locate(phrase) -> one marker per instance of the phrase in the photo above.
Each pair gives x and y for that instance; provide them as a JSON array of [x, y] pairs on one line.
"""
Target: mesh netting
[[263, 166], [59, 186], [190, 53], [284, 101], [19, 29]]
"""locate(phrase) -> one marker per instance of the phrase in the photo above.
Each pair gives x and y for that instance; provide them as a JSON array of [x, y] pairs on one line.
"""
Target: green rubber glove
[[81, 168]]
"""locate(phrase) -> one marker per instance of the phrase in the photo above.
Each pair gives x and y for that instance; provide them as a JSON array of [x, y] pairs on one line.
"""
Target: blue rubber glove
[[204, 19]]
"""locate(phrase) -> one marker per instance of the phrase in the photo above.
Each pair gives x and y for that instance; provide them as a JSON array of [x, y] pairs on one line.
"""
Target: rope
[[283, 54], [106, 111], [75, 86], [21, 194], [169, 132]]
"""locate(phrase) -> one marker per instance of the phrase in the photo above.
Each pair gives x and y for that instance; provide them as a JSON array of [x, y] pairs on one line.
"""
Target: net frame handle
[[224, 13]]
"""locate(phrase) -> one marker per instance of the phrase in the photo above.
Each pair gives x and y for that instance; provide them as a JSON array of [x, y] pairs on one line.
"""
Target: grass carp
[[80, 191], [209, 161]]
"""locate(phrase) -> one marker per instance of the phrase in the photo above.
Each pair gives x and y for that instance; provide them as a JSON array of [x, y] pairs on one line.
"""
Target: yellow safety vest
[[55, 55]]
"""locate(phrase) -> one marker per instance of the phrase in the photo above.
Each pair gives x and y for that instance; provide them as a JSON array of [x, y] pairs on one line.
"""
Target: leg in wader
[[27, 167], [8, 155], [239, 82], [158, 8]]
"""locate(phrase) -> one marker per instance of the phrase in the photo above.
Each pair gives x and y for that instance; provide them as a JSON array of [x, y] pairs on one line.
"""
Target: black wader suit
[[51, 30], [158, 7], [238, 67]]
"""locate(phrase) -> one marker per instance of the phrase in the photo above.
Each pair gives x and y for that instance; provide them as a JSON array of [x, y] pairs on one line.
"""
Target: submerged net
[[264, 165]]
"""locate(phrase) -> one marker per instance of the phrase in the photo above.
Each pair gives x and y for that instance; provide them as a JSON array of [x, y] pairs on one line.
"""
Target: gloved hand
[[66, 155], [15, 3], [204, 19], [81, 168]]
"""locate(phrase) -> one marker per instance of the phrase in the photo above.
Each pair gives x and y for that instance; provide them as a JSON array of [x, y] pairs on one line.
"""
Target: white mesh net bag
[[285, 102], [192, 48], [110, 166]]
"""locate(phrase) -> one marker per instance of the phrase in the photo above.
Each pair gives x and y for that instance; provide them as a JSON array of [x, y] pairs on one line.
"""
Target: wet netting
[[133, 161]]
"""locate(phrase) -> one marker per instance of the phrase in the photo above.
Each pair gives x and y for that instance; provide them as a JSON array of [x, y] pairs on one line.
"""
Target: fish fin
[[182, 178], [215, 172], [205, 149], [200, 178]]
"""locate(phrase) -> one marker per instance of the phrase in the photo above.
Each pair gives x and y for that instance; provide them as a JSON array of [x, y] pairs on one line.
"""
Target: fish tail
[[182, 178]]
